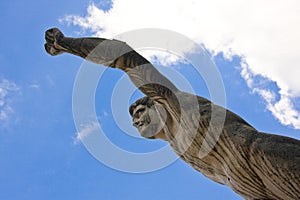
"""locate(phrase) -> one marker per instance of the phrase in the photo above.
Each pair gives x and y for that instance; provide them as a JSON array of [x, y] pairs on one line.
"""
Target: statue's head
[[149, 118]]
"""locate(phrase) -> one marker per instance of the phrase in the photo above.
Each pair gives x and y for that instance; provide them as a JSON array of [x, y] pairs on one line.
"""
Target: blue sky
[[40, 155]]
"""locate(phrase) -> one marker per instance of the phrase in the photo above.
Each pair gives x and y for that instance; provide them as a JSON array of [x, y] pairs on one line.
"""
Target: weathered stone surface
[[213, 140]]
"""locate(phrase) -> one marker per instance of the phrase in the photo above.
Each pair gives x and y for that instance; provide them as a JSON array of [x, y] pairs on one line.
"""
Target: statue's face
[[149, 121]]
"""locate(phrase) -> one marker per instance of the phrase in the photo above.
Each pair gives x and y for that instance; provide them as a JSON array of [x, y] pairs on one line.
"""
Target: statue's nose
[[135, 123]]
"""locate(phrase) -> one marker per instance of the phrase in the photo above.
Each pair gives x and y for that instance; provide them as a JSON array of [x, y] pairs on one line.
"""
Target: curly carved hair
[[142, 101]]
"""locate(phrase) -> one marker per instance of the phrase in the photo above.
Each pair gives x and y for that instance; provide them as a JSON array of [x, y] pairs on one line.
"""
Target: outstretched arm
[[115, 54]]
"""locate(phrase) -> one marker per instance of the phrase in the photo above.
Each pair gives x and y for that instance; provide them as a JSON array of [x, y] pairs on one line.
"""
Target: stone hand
[[53, 37]]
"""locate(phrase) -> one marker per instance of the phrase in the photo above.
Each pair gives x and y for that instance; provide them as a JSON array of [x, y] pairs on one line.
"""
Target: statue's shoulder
[[192, 103]]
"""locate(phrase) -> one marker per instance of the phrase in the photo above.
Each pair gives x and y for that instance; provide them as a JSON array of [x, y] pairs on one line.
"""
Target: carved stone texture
[[229, 151]]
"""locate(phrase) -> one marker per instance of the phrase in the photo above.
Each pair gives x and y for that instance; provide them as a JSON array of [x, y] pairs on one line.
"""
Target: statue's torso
[[227, 153]]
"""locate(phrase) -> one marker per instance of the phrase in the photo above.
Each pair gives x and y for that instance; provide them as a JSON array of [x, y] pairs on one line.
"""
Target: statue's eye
[[139, 111]]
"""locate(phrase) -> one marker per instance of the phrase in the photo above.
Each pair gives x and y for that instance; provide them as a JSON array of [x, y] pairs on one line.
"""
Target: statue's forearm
[[118, 54], [79, 46], [98, 50], [111, 53]]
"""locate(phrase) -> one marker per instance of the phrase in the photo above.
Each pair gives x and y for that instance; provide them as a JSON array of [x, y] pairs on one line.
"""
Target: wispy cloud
[[84, 131], [280, 103], [88, 128], [164, 58], [34, 86], [265, 33], [7, 90]]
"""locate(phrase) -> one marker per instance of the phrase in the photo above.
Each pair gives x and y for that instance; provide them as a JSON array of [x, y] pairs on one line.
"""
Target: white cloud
[[7, 90], [34, 86], [85, 131], [164, 58], [265, 33], [281, 107]]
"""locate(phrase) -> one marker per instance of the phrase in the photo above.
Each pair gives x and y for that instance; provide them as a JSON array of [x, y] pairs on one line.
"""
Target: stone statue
[[231, 152]]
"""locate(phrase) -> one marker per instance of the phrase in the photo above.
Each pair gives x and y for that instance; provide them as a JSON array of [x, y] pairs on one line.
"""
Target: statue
[[253, 164]]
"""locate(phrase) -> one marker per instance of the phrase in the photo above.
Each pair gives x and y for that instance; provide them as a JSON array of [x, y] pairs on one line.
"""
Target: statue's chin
[[149, 131]]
